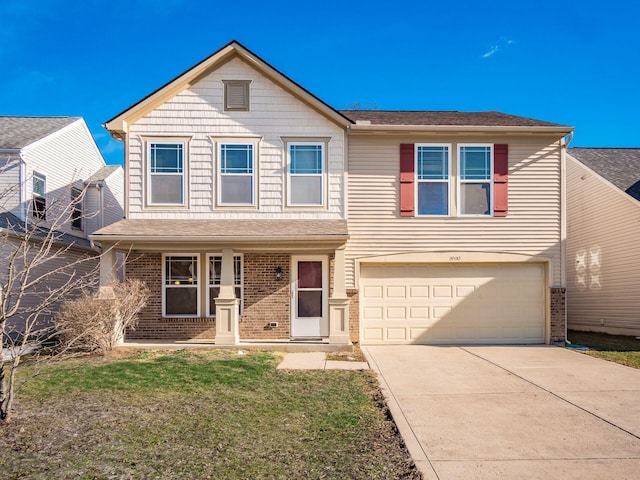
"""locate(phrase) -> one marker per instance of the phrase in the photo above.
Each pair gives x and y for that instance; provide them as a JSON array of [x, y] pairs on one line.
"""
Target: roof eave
[[221, 239], [378, 128]]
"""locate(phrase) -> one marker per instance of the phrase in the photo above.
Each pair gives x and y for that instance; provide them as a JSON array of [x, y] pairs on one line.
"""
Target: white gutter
[[373, 128], [221, 239]]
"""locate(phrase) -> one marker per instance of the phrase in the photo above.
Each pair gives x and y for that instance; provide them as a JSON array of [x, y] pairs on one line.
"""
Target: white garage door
[[452, 304]]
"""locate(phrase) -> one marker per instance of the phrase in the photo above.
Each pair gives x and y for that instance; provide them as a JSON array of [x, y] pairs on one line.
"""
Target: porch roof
[[223, 231]]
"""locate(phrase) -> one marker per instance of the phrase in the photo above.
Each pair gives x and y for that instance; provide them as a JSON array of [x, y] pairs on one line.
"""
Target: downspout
[[566, 140]]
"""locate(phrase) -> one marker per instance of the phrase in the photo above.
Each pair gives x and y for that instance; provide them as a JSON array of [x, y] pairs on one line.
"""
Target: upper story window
[[306, 174], [236, 178], [475, 167], [166, 173], [180, 286], [236, 95], [39, 203], [433, 167], [215, 277], [77, 209]]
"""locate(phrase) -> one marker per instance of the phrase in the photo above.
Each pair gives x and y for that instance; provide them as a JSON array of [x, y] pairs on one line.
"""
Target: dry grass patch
[[213, 414], [615, 348]]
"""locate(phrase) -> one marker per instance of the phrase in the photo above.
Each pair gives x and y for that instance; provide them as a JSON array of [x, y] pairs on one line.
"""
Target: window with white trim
[[215, 278], [475, 191], [236, 174], [166, 173], [77, 212], [433, 175], [305, 174], [39, 200], [180, 286]]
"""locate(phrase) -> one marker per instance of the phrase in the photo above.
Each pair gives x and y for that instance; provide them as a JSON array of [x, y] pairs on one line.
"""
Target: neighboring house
[[48, 164], [256, 211], [603, 252]]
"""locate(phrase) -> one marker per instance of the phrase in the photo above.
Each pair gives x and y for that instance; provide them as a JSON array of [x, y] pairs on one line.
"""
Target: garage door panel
[[453, 304]]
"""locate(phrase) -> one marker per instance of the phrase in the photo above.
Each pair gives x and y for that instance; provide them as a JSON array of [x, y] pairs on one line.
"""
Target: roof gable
[[19, 132], [619, 166], [118, 125]]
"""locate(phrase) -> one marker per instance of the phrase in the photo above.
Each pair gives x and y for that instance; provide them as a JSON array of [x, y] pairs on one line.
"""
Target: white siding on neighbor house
[[10, 184], [603, 254], [104, 204], [532, 226], [198, 112], [65, 157]]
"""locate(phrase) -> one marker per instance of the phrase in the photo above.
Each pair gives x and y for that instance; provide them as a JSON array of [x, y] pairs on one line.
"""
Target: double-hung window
[[180, 285], [432, 167], [215, 277], [305, 179], [475, 167], [236, 180], [39, 203], [77, 208], [166, 180]]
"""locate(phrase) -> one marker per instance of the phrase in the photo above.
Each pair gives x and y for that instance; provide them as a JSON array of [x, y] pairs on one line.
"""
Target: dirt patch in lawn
[[615, 348]]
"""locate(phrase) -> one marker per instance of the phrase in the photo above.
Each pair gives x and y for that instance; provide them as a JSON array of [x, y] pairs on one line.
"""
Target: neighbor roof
[[620, 166], [451, 117], [18, 132], [102, 174], [12, 224], [224, 229]]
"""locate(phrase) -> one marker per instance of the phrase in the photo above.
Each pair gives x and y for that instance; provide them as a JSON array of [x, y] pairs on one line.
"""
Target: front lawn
[[206, 414], [615, 348]]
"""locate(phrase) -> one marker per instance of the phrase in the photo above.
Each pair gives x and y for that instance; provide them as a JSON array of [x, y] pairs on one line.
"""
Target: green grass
[[208, 414], [615, 348]]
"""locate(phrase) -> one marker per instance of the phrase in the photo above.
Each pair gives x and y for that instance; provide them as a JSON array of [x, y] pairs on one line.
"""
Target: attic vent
[[236, 94]]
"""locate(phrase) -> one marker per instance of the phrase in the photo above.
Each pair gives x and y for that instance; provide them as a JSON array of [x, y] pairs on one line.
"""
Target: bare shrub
[[97, 324]]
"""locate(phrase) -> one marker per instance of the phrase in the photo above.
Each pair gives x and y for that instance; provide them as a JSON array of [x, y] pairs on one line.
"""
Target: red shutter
[[500, 180], [407, 179]]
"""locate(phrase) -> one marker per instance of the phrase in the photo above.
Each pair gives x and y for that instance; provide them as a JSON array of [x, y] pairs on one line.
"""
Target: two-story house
[[52, 176], [255, 211]]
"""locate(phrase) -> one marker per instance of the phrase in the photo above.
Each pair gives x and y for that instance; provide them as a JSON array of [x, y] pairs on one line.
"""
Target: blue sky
[[569, 62]]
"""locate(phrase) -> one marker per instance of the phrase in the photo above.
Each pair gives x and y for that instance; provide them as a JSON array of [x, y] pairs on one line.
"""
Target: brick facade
[[558, 314], [354, 315]]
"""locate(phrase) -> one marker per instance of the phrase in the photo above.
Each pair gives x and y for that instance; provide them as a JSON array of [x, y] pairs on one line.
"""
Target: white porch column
[[108, 273], [339, 302], [227, 315]]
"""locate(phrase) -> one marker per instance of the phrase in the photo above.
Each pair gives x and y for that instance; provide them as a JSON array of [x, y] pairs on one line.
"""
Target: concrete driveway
[[512, 412]]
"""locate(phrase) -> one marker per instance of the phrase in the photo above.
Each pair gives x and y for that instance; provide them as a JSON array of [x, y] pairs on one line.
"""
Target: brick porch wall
[[265, 298], [558, 314], [151, 326]]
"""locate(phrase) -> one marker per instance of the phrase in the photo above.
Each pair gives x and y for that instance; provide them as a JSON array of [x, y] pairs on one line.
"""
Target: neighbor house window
[[215, 277], [236, 95], [432, 167], [236, 178], [166, 181], [305, 179], [180, 286], [475, 172], [76, 205], [39, 203]]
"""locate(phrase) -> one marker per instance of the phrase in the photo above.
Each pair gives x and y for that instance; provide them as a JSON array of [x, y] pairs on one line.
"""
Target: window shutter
[[500, 180], [407, 180]]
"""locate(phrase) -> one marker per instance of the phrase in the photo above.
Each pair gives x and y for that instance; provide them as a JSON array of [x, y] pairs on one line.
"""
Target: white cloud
[[501, 44]]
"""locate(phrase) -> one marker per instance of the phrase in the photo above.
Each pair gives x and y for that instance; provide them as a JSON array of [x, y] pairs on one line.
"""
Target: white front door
[[310, 291]]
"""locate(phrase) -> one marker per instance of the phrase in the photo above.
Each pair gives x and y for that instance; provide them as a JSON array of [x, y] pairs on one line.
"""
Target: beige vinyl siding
[[532, 226], [198, 112], [603, 254], [65, 157], [10, 188]]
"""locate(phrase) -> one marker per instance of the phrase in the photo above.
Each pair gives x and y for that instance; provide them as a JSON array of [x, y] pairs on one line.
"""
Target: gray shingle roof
[[620, 166], [102, 174], [9, 222], [408, 117], [18, 132], [197, 229]]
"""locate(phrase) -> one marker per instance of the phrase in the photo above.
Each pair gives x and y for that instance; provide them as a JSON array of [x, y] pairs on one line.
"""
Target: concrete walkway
[[317, 361], [512, 412]]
